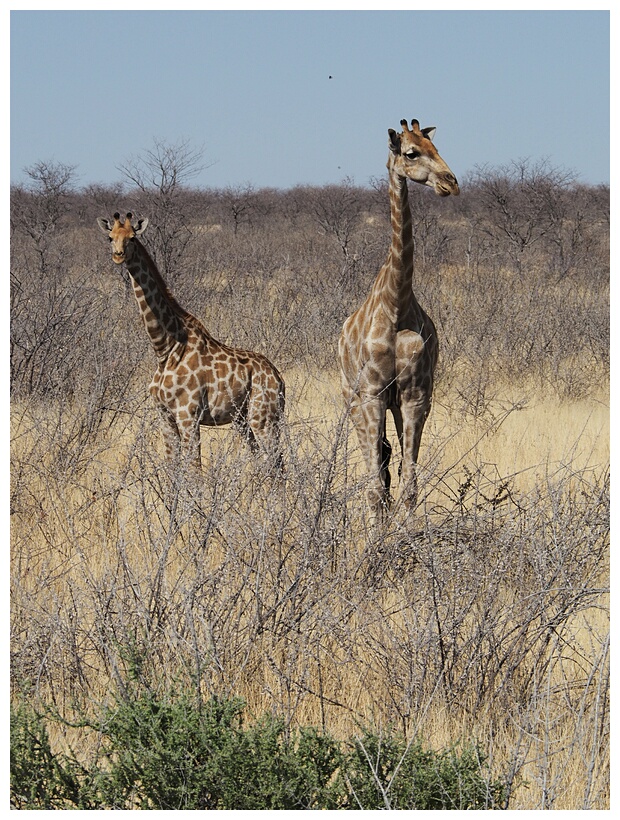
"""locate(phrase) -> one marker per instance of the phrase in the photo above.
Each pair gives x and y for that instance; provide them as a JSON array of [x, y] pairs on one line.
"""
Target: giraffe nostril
[[451, 181]]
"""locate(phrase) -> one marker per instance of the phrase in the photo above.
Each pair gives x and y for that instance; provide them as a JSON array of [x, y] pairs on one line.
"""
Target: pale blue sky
[[94, 88]]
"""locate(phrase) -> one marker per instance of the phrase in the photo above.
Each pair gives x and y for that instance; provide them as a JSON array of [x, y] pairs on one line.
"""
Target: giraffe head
[[121, 235], [413, 155]]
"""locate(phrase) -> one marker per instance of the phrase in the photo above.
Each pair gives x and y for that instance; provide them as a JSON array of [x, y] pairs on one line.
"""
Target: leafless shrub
[[523, 205], [158, 178], [486, 612], [482, 606]]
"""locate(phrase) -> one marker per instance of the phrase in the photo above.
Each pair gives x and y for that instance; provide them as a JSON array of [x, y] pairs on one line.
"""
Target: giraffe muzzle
[[447, 185]]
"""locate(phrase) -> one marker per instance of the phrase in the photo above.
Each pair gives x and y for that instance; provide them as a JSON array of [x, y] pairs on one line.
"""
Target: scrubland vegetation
[[482, 619]]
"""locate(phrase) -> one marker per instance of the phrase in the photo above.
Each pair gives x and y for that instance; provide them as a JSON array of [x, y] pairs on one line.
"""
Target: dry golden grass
[[483, 615], [282, 595], [524, 434]]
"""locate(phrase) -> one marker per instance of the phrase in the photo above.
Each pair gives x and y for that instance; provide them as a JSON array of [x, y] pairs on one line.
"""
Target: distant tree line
[[515, 269], [142, 601]]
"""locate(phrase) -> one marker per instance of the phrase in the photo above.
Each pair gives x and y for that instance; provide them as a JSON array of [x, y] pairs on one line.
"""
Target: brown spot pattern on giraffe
[[388, 346], [198, 380]]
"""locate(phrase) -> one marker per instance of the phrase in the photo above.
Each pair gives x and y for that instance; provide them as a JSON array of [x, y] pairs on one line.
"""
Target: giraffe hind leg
[[398, 424], [386, 455], [263, 422], [264, 438]]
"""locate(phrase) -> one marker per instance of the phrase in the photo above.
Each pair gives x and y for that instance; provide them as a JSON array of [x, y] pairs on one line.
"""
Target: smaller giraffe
[[388, 348], [198, 381]]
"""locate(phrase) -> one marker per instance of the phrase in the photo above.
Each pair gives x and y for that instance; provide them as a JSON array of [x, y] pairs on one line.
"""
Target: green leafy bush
[[41, 779], [387, 772], [176, 752]]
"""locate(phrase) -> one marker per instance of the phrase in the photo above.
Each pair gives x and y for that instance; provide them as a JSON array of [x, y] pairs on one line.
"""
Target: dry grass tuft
[[484, 615]]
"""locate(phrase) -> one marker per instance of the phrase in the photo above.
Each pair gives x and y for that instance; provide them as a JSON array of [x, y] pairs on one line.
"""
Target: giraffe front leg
[[189, 429], [413, 419], [368, 416], [172, 436]]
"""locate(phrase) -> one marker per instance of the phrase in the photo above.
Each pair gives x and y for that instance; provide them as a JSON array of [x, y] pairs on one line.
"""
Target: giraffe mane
[[161, 282]]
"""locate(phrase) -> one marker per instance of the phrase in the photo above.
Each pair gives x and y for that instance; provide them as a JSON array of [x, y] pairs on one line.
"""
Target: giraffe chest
[[375, 335], [390, 362], [206, 388]]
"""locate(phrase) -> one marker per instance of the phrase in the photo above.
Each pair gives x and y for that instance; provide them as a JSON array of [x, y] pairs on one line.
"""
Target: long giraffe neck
[[401, 249], [164, 319], [400, 259], [396, 277]]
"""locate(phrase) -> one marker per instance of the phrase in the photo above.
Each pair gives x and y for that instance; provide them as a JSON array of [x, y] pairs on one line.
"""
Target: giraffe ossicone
[[388, 348], [198, 381]]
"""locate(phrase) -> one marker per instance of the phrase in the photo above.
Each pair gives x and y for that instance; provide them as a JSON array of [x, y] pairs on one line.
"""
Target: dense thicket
[[173, 751], [483, 615], [514, 273]]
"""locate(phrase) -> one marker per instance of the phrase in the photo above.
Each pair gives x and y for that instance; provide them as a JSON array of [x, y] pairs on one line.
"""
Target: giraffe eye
[[412, 154]]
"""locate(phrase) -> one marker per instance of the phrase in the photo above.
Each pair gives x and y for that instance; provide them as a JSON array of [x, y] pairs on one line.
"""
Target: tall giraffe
[[198, 381], [388, 347]]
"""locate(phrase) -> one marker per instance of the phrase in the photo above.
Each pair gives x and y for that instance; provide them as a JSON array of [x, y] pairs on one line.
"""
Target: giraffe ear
[[141, 227], [429, 133], [394, 142], [104, 224]]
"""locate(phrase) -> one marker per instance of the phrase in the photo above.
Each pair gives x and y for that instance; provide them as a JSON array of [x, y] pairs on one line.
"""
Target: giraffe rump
[[198, 380]]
